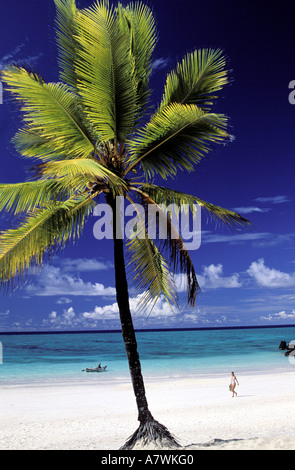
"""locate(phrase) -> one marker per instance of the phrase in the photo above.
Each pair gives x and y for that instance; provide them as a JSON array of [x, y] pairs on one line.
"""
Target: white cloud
[[180, 282], [212, 278], [270, 277], [69, 314], [211, 237], [13, 56], [111, 312], [4, 314], [263, 200], [273, 199], [283, 315], [66, 319], [52, 281], [160, 64], [64, 300], [9, 57], [107, 312], [84, 264], [108, 315], [249, 210], [257, 239], [52, 315]]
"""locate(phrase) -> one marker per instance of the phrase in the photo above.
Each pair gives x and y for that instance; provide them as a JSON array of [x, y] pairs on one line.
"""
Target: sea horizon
[[141, 330]]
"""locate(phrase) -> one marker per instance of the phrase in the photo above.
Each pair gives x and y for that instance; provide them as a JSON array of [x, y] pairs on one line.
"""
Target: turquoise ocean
[[50, 358]]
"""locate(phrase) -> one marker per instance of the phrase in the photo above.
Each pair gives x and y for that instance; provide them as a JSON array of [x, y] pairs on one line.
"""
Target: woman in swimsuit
[[233, 382]]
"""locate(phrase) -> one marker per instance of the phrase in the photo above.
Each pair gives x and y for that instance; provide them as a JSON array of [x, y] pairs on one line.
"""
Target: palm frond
[[196, 79], [86, 168], [52, 112], [162, 195], [104, 69], [32, 144], [27, 245], [66, 12], [177, 137], [177, 255], [151, 275], [142, 30], [19, 198], [148, 269]]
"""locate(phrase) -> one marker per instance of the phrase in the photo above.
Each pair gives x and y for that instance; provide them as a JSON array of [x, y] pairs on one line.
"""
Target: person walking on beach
[[233, 382]]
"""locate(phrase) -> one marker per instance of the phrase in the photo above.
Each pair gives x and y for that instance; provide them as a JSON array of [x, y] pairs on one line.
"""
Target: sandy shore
[[200, 412]]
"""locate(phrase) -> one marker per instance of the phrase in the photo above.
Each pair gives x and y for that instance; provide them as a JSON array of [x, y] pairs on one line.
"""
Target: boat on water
[[94, 369]]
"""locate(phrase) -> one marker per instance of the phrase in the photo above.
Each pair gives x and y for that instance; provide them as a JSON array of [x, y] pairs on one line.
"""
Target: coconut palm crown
[[91, 137]]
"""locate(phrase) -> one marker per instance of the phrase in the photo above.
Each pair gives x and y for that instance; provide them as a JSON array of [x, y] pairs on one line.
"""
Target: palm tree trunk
[[129, 333], [149, 429]]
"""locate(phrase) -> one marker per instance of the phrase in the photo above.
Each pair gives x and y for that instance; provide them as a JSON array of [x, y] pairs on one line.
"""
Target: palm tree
[[91, 136]]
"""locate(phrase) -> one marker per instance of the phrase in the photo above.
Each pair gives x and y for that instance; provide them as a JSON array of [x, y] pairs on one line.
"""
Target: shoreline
[[113, 377], [153, 380], [199, 411]]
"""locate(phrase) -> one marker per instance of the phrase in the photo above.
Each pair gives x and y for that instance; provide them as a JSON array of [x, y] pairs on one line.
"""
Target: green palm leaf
[[177, 137], [104, 70], [142, 30], [33, 144], [43, 229], [149, 270], [196, 79], [52, 112], [84, 168], [150, 273], [26, 197], [162, 195], [177, 255], [66, 28]]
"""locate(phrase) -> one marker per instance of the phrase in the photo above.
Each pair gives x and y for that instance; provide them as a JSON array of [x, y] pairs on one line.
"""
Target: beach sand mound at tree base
[[151, 433]]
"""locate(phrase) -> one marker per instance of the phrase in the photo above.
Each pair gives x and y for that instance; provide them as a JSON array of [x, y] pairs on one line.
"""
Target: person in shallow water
[[233, 382]]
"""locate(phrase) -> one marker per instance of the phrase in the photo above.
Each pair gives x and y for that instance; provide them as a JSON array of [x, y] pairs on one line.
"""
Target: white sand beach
[[200, 412]]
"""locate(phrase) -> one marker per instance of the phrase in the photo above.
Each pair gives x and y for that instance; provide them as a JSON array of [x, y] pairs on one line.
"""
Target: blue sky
[[247, 277]]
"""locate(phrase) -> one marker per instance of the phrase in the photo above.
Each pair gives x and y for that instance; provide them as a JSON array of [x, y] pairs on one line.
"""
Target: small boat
[[95, 369]]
